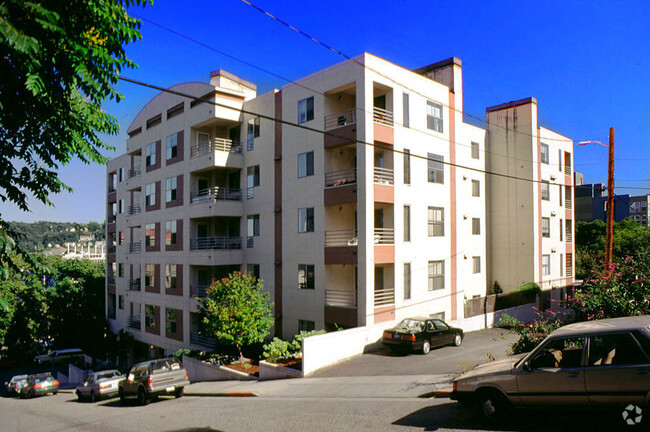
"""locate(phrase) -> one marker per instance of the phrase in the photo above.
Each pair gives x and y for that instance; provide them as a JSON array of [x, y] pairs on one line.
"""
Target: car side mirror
[[526, 367]]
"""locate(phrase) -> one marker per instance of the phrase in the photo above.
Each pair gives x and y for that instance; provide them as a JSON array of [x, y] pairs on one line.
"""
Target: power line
[[354, 60], [330, 133]]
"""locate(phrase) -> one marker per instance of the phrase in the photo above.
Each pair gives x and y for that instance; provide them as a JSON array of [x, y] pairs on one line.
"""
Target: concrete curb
[[228, 394]]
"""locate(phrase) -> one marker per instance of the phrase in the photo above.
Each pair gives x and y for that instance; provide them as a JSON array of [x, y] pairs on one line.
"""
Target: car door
[[444, 333], [554, 376], [617, 371], [87, 387]]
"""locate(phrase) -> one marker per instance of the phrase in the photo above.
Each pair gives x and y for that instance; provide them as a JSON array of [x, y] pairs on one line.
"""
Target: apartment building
[[530, 199], [358, 194]]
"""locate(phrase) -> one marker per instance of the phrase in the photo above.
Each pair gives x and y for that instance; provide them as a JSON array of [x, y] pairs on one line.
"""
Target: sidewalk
[[404, 386]]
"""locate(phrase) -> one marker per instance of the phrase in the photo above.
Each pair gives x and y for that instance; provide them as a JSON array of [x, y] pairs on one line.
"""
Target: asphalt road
[[477, 348]]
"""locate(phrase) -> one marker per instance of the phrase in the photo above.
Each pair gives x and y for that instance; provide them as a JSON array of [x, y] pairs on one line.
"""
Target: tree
[[237, 311], [59, 61]]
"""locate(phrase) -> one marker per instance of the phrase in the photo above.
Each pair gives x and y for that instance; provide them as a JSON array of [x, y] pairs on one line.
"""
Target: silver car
[[99, 385], [595, 364], [13, 386]]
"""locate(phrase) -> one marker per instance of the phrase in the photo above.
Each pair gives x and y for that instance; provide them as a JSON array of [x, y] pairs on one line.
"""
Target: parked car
[[154, 378], [59, 355], [13, 386], [99, 385], [421, 334], [39, 384], [598, 364]]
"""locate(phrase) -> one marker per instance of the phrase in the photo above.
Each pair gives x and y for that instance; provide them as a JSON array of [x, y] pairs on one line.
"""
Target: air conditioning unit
[[553, 214]]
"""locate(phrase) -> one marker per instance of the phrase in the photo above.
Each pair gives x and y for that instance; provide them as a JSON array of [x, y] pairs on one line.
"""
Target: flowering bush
[[531, 334]]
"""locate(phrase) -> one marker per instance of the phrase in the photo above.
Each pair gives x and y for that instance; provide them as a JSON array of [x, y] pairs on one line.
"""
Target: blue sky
[[587, 63]]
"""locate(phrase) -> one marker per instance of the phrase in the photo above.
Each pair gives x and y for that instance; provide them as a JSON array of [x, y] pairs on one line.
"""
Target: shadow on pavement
[[195, 429], [453, 416], [132, 402]]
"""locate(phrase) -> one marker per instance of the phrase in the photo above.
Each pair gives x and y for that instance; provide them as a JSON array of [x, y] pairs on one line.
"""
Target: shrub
[[181, 352], [296, 344], [529, 287], [530, 334], [276, 349], [496, 288]]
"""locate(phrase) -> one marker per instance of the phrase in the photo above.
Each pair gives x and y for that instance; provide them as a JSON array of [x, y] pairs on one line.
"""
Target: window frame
[[171, 189], [544, 153], [476, 188], [306, 164], [171, 147], [435, 226], [305, 110], [171, 232], [476, 226], [306, 220], [150, 155], [306, 279], [546, 227], [435, 168], [435, 122], [435, 279]]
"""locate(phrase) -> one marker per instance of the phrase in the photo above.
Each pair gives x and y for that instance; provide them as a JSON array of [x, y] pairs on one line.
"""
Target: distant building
[[640, 209], [591, 204]]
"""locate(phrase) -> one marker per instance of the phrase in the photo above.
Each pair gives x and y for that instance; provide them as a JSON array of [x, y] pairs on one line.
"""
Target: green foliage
[[530, 334], [38, 235], [237, 311], [529, 287], [276, 349], [496, 288], [182, 352], [296, 344], [60, 61]]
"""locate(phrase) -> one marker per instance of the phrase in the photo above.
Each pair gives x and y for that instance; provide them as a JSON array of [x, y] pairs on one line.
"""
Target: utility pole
[[610, 201]]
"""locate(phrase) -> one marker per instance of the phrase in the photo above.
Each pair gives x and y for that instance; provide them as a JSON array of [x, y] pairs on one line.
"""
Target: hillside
[[43, 235]]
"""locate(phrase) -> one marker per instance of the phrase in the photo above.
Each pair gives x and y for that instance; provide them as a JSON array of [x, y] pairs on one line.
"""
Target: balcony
[[134, 172], [110, 280], [340, 298], [135, 285], [135, 322], [200, 291], [134, 209], [384, 297], [135, 247], [215, 145], [204, 341], [382, 117], [340, 186], [216, 193], [215, 242], [569, 236], [567, 170], [341, 246], [342, 177], [568, 203], [343, 125], [111, 249], [384, 191], [384, 239], [383, 126]]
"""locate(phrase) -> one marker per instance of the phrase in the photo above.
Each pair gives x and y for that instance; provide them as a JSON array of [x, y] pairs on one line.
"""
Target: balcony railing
[[341, 298], [135, 247], [112, 218], [110, 280], [135, 285], [215, 242], [134, 172], [382, 116], [383, 176], [205, 341], [216, 144], [341, 177], [569, 236], [344, 237], [384, 296], [340, 119], [111, 249], [134, 209], [216, 193], [200, 291], [567, 170], [567, 203], [384, 236], [111, 188], [569, 271], [135, 322]]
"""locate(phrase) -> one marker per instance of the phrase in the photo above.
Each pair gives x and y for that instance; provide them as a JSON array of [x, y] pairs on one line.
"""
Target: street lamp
[[609, 241]]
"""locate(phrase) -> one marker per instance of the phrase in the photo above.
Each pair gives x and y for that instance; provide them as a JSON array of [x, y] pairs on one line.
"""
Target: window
[[252, 132], [306, 325], [475, 150], [305, 110], [170, 276], [476, 226], [171, 319], [407, 223], [172, 147], [407, 166], [306, 220], [120, 173], [149, 316], [436, 275], [150, 153], [149, 275], [170, 233], [171, 185], [150, 194], [405, 109], [436, 221], [150, 235], [546, 265], [546, 193], [615, 349], [476, 188], [253, 228], [120, 269], [561, 264], [546, 227], [120, 206], [306, 276], [434, 116], [476, 264], [253, 270], [407, 281], [306, 164], [544, 149], [560, 353], [120, 302], [561, 234], [253, 179], [435, 168], [560, 188], [569, 265], [120, 238]]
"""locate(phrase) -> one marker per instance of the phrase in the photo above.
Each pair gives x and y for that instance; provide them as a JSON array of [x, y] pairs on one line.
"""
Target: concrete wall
[[270, 371], [200, 371]]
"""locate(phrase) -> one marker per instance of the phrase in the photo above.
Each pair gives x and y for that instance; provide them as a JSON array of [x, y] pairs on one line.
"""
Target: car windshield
[[410, 324]]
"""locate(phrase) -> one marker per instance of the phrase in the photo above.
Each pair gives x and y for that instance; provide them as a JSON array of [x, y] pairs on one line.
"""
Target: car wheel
[[122, 397], [458, 339], [492, 404], [22, 395], [143, 399], [55, 392], [93, 397], [426, 347], [79, 397], [30, 394], [179, 392]]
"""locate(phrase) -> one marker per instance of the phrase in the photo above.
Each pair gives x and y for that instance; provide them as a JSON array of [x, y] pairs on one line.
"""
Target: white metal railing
[[384, 236], [205, 341], [216, 193], [384, 296], [135, 322], [216, 144], [569, 271], [340, 298], [569, 236], [215, 242], [567, 170], [344, 237], [200, 291], [135, 247], [134, 209], [341, 118], [567, 204], [383, 176], [341, 177], [382, 116]]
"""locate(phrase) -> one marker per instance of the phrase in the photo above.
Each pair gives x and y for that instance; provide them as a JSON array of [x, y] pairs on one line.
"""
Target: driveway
[[478, 347]]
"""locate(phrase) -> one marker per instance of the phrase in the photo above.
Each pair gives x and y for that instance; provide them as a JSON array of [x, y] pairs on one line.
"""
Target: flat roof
[[439, 65], [512, 104]]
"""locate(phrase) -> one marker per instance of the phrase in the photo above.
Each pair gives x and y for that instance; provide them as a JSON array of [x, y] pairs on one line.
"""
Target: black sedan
[[421, 334], [39, 384]]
